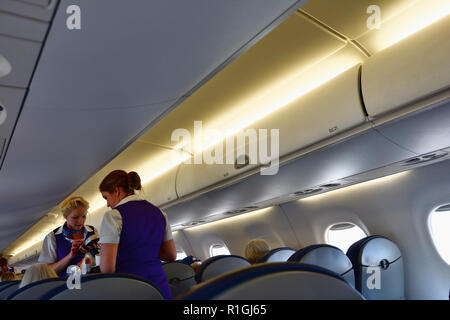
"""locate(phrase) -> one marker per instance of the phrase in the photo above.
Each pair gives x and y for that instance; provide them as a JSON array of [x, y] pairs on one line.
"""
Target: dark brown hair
[[3, 262], [128, 182]]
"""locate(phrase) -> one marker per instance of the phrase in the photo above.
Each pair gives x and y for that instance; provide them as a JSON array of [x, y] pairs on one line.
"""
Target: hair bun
[[134, 181]]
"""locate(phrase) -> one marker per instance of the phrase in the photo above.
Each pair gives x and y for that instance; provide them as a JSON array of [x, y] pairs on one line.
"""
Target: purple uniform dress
[[64, 246], [143, 229]]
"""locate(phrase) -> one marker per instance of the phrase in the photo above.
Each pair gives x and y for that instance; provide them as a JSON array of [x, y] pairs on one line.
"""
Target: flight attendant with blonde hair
[[64, 246]]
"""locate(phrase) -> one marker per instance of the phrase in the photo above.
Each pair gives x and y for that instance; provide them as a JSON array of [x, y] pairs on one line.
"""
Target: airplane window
[[181, 255], [218, 249], [343, 235], [439, 225]]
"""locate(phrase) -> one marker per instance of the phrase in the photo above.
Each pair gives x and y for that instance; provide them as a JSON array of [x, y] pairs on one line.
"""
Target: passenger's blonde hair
[[8, 276], [70, 204], [256, 249], [36, 272]]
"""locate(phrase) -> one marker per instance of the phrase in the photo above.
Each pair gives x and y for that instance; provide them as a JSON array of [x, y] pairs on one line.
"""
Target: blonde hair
[[256, 249], [37, 272], [70, 204], [8, 276]]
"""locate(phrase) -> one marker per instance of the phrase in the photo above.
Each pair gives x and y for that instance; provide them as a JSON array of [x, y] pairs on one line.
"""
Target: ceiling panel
[[96, 89], [134, 53]]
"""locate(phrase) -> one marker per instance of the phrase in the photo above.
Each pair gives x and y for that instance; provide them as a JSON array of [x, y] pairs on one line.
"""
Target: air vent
[[237, 211], [330, 185], [307, 191], [412, 161], [425, 158], [193, 223], [251, 207]]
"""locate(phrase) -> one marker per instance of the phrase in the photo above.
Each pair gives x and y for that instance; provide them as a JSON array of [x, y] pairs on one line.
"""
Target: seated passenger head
[[196, 265], [117, 185], [74, 210], [37, 272], [256, 249], [3, 264], [7, 276]]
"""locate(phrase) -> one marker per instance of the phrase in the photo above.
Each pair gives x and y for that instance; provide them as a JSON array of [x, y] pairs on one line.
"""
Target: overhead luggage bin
[[408, 71], [327, 111]]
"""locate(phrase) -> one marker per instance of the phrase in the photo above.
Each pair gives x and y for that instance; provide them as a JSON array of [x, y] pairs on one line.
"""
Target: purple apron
[[63, 247], [143, 229]]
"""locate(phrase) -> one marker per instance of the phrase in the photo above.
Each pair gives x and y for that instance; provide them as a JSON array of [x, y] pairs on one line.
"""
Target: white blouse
[[111, 226], [48, 252]]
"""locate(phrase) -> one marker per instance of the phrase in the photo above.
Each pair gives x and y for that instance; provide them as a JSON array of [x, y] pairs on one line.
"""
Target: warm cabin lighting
[[371, 183], [395, 29], [403, 25]]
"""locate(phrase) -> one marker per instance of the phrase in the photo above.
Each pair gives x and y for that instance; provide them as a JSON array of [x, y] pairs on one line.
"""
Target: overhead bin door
[[333, 108], [414, 68], [322, 113]]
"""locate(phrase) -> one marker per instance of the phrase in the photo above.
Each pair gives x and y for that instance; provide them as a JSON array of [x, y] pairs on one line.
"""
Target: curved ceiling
[[96, 89]]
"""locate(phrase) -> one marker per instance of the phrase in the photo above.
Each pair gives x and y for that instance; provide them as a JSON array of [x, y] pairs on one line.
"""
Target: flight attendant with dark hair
[[135, 235]]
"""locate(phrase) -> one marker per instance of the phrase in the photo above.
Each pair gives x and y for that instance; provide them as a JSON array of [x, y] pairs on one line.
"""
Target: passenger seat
[[378, 266], [218, 265], [277, 255], [328, 257]]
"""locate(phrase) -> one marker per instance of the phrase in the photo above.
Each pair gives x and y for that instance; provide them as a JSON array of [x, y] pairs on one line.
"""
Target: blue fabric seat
[[218, 265], [378, 266], [181, 277], [35, 290], [275, 281], [277, 255], [114, 286], [328, 257], [8, 289]]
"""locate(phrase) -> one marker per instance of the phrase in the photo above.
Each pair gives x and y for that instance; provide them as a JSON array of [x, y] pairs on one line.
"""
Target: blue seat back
[[107, 287], [328, 257], [181, 277], [35, 290], [378, 266], [218, 265], [275, 281], [8, 289], [277, 255], [4, 283]]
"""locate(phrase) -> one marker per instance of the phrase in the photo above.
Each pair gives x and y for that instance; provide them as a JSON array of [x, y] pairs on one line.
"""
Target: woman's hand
[[75, 247]]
